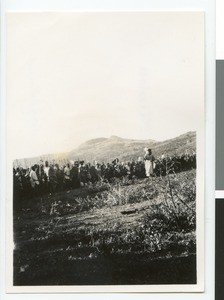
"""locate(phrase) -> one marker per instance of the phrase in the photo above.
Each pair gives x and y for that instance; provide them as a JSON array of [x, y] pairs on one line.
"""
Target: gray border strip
[[219, 184]]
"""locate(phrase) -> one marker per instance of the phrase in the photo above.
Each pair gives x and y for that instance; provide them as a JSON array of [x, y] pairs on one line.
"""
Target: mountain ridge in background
[[107, 149]]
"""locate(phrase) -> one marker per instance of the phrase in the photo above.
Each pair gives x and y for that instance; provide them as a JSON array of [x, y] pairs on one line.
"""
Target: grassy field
[[124, 232]]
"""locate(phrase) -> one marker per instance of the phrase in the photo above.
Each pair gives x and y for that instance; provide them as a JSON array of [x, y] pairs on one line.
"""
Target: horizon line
[[107, 138]]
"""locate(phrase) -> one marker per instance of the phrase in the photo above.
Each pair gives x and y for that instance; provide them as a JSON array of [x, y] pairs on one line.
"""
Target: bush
[[172, 221]]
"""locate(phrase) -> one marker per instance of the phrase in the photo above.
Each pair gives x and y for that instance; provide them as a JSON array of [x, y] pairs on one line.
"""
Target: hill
[[178, 145], [107, 149]]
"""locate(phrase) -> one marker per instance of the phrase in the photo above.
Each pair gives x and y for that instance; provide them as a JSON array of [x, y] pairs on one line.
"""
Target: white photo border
[[209, 186]]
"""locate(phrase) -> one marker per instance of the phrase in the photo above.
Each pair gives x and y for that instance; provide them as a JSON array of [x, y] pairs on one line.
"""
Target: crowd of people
[[45, 177]]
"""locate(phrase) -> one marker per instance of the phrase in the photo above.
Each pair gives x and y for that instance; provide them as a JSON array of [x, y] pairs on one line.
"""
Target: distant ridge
[[107, 149]]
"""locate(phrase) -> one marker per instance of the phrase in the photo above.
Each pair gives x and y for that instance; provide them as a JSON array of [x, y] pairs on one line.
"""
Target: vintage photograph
[[105, 146]]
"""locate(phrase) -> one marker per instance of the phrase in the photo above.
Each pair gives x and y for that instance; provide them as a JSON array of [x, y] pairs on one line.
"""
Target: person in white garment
[[46, 176], [46, 171], [34, 180], [149, 162]]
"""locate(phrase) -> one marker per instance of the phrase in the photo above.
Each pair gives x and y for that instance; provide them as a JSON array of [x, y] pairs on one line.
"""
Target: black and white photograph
[[105, 151]]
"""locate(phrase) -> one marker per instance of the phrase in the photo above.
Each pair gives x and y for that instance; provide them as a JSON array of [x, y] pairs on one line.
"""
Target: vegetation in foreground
[[126, 232]]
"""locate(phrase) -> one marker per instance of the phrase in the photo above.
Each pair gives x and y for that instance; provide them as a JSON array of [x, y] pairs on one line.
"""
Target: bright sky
[[72, 77]]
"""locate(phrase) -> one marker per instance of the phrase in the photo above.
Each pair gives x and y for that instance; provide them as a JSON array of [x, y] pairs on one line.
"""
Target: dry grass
[[151, 216]]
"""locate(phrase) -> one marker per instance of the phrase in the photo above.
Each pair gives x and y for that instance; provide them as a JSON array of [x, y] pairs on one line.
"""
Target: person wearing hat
[[149, 162]]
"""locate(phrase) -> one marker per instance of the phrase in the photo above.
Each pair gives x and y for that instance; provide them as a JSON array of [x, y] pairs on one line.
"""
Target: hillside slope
[[107, 149]]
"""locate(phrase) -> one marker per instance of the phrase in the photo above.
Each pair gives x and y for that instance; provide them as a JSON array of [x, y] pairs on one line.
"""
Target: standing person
[[40, 175], [52, 179], [67, 174], [34, 181], [149, 162], [60, 178], [75, 175], [46, 176], [83, 174]]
